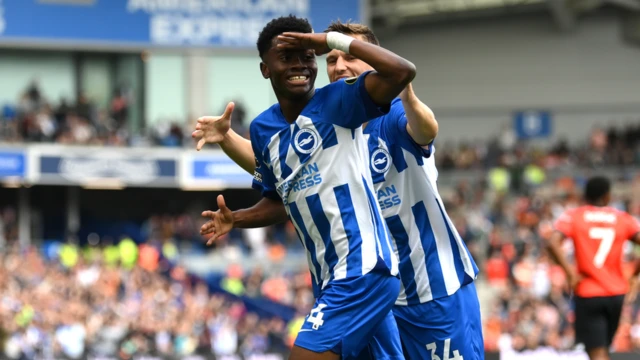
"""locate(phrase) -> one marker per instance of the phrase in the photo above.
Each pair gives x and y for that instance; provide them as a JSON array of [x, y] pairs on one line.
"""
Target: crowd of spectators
[[36, 119], [613, 145], [104, 302], [107, 299], [528, 305], [121, 308]]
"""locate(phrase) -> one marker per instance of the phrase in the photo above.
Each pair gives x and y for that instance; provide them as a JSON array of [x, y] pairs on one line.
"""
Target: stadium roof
[[392, 13], [433, 8]]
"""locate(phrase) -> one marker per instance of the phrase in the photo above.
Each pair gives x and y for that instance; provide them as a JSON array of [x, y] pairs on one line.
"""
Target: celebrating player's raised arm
[[392, 72], [421, 122]]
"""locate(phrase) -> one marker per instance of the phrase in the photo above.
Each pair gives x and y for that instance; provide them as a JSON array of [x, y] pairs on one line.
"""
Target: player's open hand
[[312, 41], [220, 223], [212, 129]]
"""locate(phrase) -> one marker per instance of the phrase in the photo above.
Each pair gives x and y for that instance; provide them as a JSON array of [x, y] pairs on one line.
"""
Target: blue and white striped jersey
[[318, 166], [434, 261]]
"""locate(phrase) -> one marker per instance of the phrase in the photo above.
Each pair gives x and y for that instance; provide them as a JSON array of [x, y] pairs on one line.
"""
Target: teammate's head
[[598, 191], [285, 67], [341, 65]]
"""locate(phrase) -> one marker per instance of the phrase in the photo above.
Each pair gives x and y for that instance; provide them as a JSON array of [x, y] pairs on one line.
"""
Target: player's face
[[341, 65], [292, 72]]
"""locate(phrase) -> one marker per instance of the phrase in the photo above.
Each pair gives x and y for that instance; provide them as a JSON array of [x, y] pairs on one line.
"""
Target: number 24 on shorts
[[445, 353]]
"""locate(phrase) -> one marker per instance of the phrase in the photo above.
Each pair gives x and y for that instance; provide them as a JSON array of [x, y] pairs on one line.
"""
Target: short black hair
[[278, 26], [597, 188]]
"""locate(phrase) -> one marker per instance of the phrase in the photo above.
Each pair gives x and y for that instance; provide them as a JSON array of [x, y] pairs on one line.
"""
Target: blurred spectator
[[119, 110], [239, 119], [8, 227]]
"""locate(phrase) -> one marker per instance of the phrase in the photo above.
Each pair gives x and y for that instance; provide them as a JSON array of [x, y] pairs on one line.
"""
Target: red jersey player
[[599, 233]]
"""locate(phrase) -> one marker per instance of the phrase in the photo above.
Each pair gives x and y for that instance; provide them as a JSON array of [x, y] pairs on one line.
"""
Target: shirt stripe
[[404, 252], [310, 247], [433, 256], [283, 149], [352, 230]]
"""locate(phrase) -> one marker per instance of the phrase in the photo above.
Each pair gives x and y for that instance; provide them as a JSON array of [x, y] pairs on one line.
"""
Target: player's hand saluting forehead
[[312, 41]]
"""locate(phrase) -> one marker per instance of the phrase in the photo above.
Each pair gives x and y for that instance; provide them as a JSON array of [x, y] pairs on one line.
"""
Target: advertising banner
[[213, 170], [163, 23], [12, 164], [95, 167]]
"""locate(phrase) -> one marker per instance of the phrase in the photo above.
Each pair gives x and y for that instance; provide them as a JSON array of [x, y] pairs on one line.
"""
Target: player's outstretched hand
[[212, 129], [220, 223], [312, 41]]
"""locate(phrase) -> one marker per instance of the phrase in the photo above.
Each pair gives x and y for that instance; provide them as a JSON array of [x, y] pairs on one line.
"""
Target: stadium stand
[[123, 285]]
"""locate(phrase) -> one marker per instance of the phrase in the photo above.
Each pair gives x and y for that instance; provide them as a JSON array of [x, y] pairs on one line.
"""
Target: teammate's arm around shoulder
[[392, 72], [421, 121]]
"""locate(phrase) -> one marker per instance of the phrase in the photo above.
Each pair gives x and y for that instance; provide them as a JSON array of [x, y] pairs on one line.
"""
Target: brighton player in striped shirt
[[310, 165], [437, 311]]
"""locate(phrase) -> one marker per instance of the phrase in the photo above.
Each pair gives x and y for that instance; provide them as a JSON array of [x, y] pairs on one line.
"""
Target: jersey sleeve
[[350, 105], [395, 127], [263, 179], [564, 224]]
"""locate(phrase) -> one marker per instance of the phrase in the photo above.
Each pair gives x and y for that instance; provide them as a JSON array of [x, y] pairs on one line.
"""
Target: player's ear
[[265, 70]]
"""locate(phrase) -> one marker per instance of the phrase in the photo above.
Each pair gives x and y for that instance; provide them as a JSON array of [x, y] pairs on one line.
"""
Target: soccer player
[[310, 156], [599, 233], [436, 269]]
